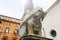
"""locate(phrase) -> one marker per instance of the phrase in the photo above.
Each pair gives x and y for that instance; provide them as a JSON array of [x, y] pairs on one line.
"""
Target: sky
[[15, 8]]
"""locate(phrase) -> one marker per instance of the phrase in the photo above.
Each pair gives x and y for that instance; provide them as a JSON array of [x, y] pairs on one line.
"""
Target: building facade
[[9, 28], [51, 23]]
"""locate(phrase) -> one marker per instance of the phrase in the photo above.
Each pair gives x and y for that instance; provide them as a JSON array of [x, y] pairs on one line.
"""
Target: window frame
[[8, 23], [16, 31], [7, 30]]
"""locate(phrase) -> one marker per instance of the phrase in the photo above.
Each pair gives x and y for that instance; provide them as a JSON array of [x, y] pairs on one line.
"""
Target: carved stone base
[[31, 37]]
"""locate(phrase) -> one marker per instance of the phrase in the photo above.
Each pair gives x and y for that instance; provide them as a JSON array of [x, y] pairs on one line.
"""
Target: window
[[17, 21], [14, 38], [0, 21], [7, 30], [4, 38], [1, 17], [8, 23], [10, 19], [16, 31], [53, 33]]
